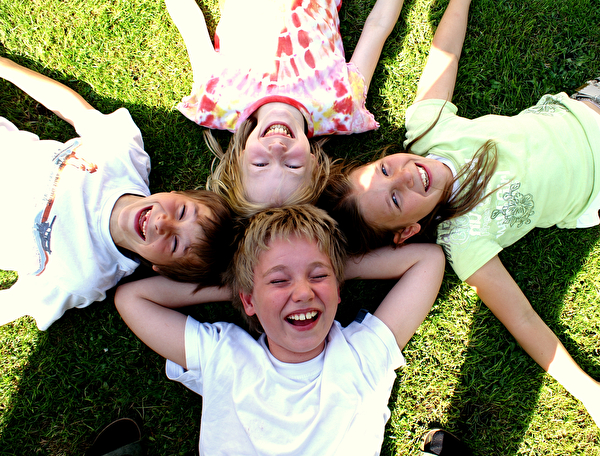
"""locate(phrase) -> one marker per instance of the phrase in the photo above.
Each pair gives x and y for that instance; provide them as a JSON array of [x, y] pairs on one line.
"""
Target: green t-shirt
[[546, 172]]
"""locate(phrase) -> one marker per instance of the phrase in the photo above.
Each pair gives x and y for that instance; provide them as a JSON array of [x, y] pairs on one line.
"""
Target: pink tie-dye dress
[[286, 51]]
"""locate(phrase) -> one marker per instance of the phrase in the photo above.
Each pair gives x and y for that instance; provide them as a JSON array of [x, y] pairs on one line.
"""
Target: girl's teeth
[[424, 177], [278, 130]]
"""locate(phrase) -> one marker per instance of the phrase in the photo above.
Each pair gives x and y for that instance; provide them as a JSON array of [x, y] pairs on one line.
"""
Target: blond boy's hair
[[226, 178], [304, 221]]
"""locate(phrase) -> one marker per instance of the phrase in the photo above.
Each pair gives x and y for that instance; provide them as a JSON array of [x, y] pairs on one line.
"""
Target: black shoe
[[120, 438], [441, 443]]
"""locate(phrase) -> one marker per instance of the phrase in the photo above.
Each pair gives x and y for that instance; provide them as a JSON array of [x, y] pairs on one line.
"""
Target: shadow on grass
[[499, 382]]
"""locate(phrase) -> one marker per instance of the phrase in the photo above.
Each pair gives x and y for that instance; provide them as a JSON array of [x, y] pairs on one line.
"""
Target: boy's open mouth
[[303, 319], [278, 130], [143, 222]]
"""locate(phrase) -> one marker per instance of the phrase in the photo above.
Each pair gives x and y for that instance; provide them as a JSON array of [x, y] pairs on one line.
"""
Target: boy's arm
[[147, 308], [421, 268], [57, 97], [377, 28], [504, 298], [190, 22], [439, 75]]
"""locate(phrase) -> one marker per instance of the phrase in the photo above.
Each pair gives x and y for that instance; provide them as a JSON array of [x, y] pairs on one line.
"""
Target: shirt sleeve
[[43, 301], [118, 124], [201, 341], [428, 117], [371, 336]]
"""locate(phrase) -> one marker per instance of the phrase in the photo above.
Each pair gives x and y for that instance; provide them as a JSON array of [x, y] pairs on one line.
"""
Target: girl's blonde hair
[[226, 177]]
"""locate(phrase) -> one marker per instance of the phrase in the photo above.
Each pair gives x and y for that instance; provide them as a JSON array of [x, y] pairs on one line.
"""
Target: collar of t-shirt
[[306, 371], [450, 165]]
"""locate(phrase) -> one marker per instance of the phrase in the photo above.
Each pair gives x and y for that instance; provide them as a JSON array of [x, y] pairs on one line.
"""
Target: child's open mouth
[[424, 176], [303, 319], [278, 130], [143, 220]]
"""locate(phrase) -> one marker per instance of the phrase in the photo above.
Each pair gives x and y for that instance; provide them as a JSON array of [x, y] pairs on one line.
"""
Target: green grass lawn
[[465, 372]]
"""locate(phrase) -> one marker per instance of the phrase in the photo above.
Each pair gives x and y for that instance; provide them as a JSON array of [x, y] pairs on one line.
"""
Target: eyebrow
[[280, 267]]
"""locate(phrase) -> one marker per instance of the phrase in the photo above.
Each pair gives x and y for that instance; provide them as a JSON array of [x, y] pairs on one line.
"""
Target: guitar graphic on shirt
[[42, 228]]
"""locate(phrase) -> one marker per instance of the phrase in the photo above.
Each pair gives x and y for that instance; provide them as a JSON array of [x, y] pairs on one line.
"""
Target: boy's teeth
[[144, 222], [304, 316]]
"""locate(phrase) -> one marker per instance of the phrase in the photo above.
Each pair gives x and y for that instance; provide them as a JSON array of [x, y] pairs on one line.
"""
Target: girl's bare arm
[[190, 22], [504, 298], [377, 28], [439, 75]]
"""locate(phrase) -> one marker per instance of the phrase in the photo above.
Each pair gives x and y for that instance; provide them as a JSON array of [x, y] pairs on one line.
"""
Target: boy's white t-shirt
[[57, 200], [253, 404]]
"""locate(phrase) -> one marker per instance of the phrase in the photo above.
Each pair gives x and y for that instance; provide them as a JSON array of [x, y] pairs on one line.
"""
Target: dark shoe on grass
[[120, 438], [441, 443]]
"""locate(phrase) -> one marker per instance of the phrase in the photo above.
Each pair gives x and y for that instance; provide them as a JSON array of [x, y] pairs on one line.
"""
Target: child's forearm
[[538, 340], [504, 298], [171, 294], [387, 262], [378, 26], [408, 303], [439, 75], [147, 307], [384, 15], [190, 22], [160, 328], [60, 99], [450, 34]]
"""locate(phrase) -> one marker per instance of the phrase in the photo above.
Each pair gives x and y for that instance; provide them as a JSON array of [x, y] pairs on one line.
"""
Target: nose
[[164, 224], [403, 176], [302, 291], [277, 147]]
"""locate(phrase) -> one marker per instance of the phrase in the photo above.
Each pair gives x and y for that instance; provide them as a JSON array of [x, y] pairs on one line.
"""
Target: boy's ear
[[156, 269], [405, 233], [246, 299]]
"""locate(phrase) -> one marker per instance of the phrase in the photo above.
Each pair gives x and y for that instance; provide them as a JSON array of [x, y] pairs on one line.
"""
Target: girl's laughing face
[[397, 191]]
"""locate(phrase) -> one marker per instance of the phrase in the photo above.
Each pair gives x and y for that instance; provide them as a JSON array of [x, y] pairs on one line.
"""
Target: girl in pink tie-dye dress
[[275, 77]]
